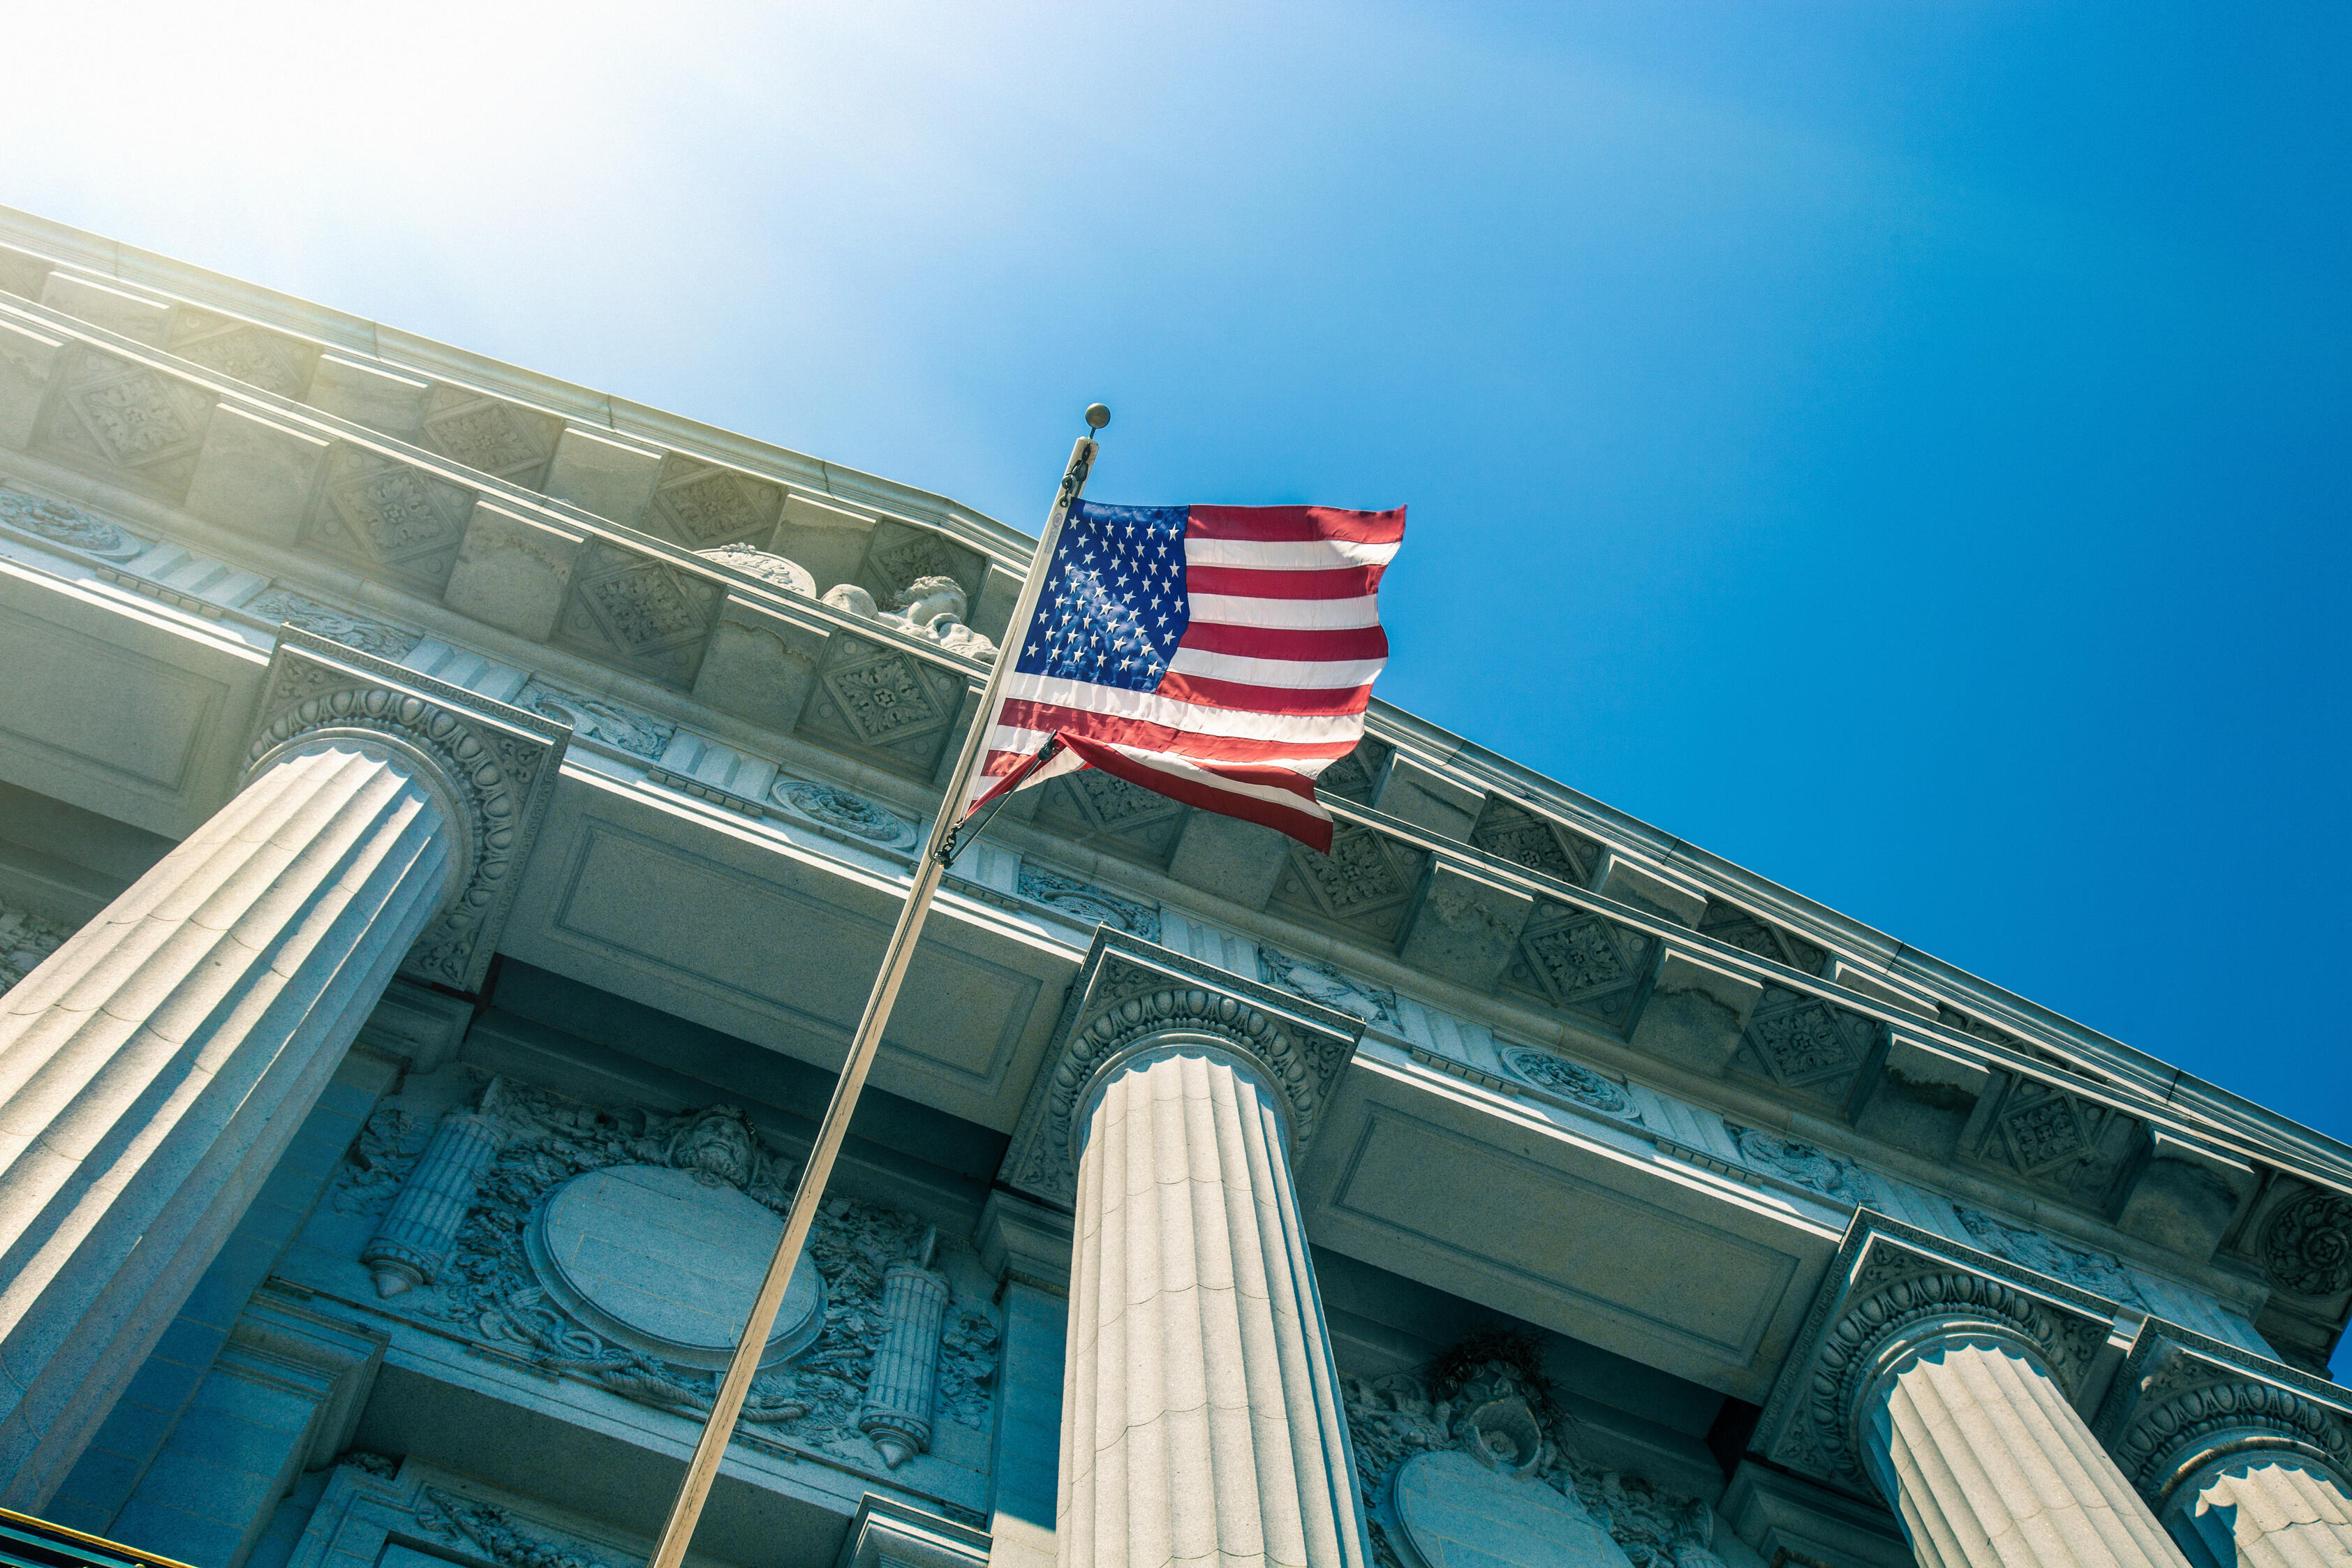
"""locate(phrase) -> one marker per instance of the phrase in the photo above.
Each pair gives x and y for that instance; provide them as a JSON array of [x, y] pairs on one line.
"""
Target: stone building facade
[[448, 819]]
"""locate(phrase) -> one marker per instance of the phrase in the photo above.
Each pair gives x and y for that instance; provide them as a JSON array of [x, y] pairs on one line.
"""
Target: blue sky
[[1899, 447]]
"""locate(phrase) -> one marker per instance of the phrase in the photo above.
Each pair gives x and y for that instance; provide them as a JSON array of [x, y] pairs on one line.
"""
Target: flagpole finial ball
[[1098, 415]]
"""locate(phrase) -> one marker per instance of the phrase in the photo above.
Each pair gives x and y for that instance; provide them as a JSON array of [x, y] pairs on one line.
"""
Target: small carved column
[[1943, 1379], [411, 1246], [905, 1372], [153, 1068], [1201, 1416], [2247, 1462]]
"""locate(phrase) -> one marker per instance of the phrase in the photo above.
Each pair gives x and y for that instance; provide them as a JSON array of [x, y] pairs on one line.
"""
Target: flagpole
[[719, 1428]]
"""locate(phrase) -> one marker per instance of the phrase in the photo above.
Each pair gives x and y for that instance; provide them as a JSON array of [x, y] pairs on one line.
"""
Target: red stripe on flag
[[1308, 828], [1324, 647], [1210, 692], [1052, 717], [1294, 522], [1252, 583]]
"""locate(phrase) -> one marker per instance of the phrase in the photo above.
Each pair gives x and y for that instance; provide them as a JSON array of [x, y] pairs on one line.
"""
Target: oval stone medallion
[[1460, 1512], [662, 1262]]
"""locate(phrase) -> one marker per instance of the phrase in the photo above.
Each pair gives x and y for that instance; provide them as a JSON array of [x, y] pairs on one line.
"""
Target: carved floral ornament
[[2184, 1402], [492, 766], [2306, 1244], [1891, 1291], [1130, 998]]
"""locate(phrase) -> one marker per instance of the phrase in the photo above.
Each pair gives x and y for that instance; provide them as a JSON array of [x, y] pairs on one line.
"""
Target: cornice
[[1131, 995], [493, 765]]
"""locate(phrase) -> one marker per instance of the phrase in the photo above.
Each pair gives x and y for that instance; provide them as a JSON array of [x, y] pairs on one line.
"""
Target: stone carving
[[25, 939], [243, 352], [1128, 993], [280, 606], [2306, 1244], [1096, 805], [1321, 982], [2076, 1147], [69, 525], [137, 418], [1566, 1078], [880, 698], [411, 1246], [1903, 1284], [920, 556], [1730, 924], [1363, 876], [1575, 958], [1803, 1163], [1803, 1040], [492, 1532], [497, 764], [389, 514], [1356, 776], [2183, 1401], [649, 612], [379, 1162], [1474, 1429], [598, 718], [932, 607], [496, 1285], [1520, 836], [853, 814], [773, 570], [904, 1377], [1089, 902], [491, 435], [2096, 1272], [708, 507]]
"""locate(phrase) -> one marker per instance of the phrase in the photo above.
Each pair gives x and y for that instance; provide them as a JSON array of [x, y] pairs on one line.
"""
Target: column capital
[[2184, 1402], [1893, 1289], [493, 765], [1132, 996]]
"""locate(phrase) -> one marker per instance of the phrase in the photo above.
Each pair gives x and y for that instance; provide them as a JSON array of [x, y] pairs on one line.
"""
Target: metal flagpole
[[719, 1426]]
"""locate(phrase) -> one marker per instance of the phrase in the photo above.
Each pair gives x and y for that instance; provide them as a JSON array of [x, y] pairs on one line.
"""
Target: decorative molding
[[836, 809], [1322, 983], [1129, 994], [1580, 959], [1891, 1288], [1085, 901], [2099, 1273], [282, 606], [1816, 1170], [495, 763], [1565, 1079], [2306, 1244], [598, 718], [2183, 1402], [55, 522]]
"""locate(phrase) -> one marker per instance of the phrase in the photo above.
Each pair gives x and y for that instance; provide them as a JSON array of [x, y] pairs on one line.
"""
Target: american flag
[[1222, 655]]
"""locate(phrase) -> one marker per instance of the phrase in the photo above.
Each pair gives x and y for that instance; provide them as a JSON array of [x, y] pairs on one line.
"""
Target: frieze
[[837, 808], [497, 763], [1891, 1283], [1089, 903], [70, 526], [2100, 1273], [1841, 1180], [1569, 1081], [1487, 1401], [1319, 981], [282, 606], [1129, 992], [598, 718]]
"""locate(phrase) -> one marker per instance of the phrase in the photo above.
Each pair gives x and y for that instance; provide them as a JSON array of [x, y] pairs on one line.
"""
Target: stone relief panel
[[1569, 1080], [598, 718], [491, 434], [703, 506], [1838, 1179], [883, 703], [243, 351], [283, 606], [58, 523], [898, 555], [2306, 1244], [1577, 959], [2098, 1272], [566, 1212], [25, 939], [1476, 1453], [1098, 905], [1357, 775], [1095, 808], [840, 813], [133, 423], [2055, 1141], [1752, 933], [1319, 981], [387, 517], [1805, 1043], [648, 615], [1513, 833], [1364, 885]]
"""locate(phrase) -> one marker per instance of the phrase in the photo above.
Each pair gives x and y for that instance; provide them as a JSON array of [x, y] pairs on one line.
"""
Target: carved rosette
[[1132, 998], [493, 767], [1892, 1291], [2184, 1404]]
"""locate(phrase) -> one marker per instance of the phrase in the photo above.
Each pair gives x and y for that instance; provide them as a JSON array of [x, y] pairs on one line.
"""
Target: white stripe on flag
[[1150, 708], [1309, 614], [1298, 673], [1287, 555]]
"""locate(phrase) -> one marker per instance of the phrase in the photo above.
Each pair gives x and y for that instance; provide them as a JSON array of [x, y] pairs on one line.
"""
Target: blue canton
[[1114, 605]]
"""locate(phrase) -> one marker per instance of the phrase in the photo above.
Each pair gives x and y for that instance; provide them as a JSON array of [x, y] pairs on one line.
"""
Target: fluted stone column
[[1201, 1420], [1945, 1381], [1987, 1465], [153, 1068], [2246, 1461]]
